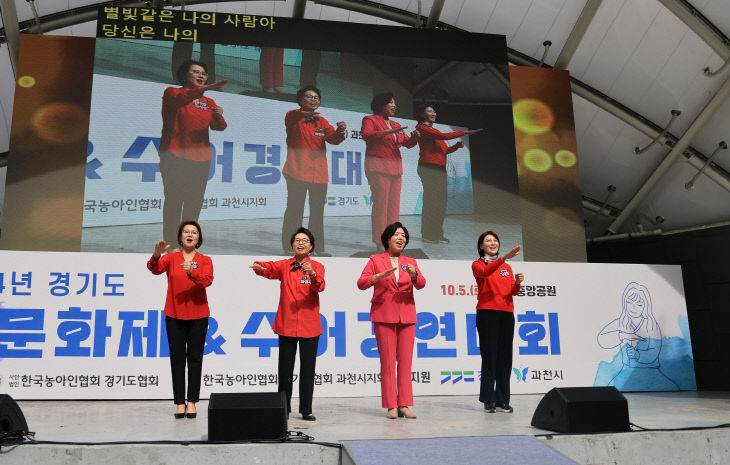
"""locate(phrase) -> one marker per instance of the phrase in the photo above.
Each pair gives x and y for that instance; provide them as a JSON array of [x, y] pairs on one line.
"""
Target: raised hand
[[160, 248], [307, 268], [377, 277], [393, 130], [257, 267], [512, 253], [216, 85], [411, 269]]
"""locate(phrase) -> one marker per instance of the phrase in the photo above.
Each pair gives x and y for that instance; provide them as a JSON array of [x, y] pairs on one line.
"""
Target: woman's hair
[[419, 110], [303, 230], [303, 90], [197, 226], [390, 232], [182, 71], [480, 251], [633, 292], [380, 100]]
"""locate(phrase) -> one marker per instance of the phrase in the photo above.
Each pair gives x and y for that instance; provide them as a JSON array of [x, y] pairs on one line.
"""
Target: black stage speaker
[[582, 410], [12, 421], [246, 416]]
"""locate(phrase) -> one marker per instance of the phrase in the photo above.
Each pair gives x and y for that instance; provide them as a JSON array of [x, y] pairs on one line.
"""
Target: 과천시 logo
[[521, 373]]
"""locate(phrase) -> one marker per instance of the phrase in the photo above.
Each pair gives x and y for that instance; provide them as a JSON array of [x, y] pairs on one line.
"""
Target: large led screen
[[103, 190]]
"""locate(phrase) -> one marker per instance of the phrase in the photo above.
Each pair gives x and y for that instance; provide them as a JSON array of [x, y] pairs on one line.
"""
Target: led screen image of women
[[247, 189], [115, 189]]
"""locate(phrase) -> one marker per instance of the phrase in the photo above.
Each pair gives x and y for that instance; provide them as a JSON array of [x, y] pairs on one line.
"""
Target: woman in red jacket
[[432, 171], [495, 320], [383, 164], [186, 311], [297, 318], [184, 146], [305, 170], [393, 313]]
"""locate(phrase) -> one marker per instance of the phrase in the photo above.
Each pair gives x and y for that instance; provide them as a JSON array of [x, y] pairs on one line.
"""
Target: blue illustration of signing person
[[638, 335]]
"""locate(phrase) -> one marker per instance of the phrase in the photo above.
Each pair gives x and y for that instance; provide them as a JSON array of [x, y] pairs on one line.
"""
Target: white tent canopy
[[632, 61]]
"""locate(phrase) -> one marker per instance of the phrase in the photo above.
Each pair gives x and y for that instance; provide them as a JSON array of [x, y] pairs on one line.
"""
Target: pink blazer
[[382, 153], [392, 301]]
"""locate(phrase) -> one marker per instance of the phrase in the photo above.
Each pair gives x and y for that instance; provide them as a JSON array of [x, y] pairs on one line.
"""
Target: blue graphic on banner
[[645, 361]]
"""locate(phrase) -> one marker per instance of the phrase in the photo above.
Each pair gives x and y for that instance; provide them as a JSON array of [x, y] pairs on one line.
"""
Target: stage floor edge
[[343, 419]]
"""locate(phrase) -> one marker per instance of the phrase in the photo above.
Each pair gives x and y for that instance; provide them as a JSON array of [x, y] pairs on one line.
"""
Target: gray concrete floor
[[344, 236], [353, 418]]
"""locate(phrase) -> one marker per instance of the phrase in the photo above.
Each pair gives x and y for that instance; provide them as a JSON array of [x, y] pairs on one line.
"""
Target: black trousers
[[309, 68], [184, 184], [296, 192], [435, 196], [186, 340], [307, 361], [496, 333]]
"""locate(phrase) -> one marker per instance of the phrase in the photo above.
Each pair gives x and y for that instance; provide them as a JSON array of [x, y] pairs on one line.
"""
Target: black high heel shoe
[[406, 412], [180, 415], [190, 414]]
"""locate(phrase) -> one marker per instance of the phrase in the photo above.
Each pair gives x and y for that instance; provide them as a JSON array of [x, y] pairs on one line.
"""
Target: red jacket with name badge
[[186, 297], [186, 118], [306, 152], [432, 145], [496, 284], [298, 312]]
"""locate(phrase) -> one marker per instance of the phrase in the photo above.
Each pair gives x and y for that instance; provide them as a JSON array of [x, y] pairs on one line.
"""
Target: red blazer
[[392, 301], [381, 152]]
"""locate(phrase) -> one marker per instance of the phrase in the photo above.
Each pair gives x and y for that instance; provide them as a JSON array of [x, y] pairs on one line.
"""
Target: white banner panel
[[124, 186], [90, 326]]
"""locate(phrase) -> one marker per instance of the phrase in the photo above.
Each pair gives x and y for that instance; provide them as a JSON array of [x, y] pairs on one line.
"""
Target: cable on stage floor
[[292, 437], [637, 430]]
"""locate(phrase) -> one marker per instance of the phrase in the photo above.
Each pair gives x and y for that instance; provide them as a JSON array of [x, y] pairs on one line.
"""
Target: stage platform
[[359, 419]]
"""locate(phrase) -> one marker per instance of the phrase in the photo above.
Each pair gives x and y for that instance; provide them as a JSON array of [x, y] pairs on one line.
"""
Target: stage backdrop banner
[[124, 185], [91, 326]]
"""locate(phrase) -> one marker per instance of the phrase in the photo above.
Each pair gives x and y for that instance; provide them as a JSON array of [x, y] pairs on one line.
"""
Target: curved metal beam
[[300, 6], [576, 34], [700, 25], [652, 130], [86, 13], [375, 9], [712, 106], [657, 232], [433, 16], [12, 32]]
